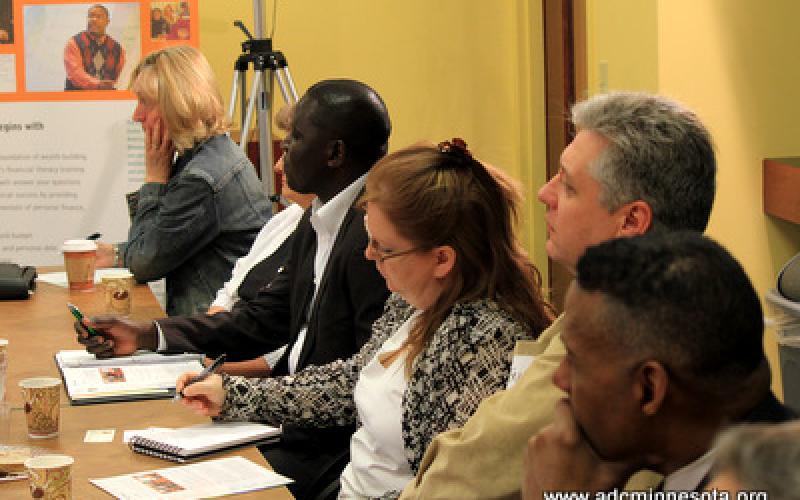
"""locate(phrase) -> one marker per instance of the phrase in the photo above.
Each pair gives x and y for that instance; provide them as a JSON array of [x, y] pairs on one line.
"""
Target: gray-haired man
[[639, 163]]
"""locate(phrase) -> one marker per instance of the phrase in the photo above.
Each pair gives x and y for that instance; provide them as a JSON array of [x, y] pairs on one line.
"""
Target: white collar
[[328, 217], [689, 477]]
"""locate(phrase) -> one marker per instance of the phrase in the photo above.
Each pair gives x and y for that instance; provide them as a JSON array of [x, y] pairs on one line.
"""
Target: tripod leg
[[251, 103], [290, 85], [282, 86], [242, 98], [232, 101], [265, 153]]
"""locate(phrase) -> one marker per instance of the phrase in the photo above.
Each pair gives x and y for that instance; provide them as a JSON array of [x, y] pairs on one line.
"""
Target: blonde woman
[[201, 205]]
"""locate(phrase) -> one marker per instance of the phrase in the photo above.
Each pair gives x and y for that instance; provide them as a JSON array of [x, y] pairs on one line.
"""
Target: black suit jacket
[[350, 297]]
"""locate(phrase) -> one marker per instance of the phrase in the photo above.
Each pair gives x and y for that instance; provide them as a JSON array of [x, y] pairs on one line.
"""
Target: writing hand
[[204, 397]]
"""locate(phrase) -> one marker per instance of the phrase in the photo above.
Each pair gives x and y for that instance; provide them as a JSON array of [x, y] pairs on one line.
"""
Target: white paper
[[519, 364], [55, 185], [212, 478], [99, 436], [127, 435]]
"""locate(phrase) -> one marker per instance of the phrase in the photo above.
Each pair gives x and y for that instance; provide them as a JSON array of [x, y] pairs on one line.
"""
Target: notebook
[[189, 443], [145, 375]]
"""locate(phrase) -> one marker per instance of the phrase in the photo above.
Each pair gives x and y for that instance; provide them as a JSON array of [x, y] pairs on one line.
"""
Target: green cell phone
[[79, 316]]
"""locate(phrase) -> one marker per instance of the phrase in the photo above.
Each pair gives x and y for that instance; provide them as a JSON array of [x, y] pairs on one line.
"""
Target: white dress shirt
[[326, 220], [688, 477]]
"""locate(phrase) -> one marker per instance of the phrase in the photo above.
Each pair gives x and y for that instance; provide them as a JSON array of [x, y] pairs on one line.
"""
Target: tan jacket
[[483, 459]]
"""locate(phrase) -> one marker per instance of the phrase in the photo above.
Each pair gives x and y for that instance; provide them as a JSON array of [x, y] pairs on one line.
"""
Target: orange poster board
[[35, 38]]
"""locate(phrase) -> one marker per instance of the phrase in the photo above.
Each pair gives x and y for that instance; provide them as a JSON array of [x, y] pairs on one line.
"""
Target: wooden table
[[41, 326]]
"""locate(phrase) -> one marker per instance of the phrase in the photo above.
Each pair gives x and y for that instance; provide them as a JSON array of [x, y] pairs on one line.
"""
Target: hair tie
[[456, 147]]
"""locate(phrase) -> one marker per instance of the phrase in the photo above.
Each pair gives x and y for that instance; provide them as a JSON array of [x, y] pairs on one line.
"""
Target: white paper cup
[[118, 290], [79, 261], [42, 396], [50, 476]]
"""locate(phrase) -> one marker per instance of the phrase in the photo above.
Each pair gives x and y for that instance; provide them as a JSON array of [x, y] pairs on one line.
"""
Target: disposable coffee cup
[[118, 290], [79, 260], [50, 476], [42, 396]]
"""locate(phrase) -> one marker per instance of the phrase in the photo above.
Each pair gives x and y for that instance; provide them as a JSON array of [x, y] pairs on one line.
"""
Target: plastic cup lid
[[79, 246], [115, 275], [49, 461], [39, 382]]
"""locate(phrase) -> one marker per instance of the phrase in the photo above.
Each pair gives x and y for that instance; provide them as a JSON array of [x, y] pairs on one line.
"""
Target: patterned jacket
[[467, 359]]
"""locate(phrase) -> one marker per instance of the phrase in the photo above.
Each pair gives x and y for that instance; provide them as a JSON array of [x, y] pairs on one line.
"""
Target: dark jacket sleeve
[[252, 328]]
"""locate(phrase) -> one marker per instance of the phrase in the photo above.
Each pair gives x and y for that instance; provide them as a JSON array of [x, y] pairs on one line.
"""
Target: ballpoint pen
[[207, 371]]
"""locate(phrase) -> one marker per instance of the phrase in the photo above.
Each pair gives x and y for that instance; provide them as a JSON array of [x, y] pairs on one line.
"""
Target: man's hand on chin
[[559, 458]]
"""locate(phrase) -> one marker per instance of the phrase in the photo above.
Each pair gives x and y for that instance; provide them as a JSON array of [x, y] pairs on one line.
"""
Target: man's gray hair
[[659, 152], [762, 458]]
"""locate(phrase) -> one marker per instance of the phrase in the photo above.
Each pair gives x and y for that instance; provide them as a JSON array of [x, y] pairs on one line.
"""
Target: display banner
[[69, 150]]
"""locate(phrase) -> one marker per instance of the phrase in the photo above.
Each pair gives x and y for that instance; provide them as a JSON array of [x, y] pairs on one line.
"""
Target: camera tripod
[[266, 63]]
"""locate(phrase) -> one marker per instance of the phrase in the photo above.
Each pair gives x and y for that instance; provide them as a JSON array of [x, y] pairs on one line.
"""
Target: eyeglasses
[[382, 253]]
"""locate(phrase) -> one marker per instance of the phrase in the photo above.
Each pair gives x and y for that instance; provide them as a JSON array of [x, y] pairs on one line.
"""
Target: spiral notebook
[[189, 443]]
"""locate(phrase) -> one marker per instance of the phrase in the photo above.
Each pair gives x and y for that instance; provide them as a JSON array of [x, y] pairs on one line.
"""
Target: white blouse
[[377, 452]]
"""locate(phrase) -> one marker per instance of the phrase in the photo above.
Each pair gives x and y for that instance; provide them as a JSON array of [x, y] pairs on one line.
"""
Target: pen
[[79, 316], [94, 236], [207, 371]]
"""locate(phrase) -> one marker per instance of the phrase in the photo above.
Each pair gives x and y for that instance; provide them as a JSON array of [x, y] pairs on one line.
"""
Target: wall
[[730, 64], [727, 61], [621, 46], [466, 68]]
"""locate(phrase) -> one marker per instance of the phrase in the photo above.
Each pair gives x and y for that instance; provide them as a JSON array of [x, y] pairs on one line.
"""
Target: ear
[[651, 383], [335, 153], [445, 260], [636, 218]]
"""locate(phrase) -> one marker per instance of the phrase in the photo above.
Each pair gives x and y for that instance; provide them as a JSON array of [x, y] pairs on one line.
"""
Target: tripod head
[[254, 46]]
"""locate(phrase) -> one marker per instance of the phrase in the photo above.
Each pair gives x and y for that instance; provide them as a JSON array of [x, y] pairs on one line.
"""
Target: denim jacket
[[192, 229]]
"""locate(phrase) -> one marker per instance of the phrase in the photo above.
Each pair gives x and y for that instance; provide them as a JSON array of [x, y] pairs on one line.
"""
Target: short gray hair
[[659, 152], [762, 458]]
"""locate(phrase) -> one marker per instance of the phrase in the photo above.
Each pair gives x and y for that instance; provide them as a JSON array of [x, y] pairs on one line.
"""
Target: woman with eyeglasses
[[441, 233], [201, 205]]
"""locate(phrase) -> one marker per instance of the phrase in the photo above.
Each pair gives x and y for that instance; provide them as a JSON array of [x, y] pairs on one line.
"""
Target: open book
[[141, 376], [188, 443], [212, 478]]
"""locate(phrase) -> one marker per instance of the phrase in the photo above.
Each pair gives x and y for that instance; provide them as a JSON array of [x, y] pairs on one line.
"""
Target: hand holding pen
[[203, 392]]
